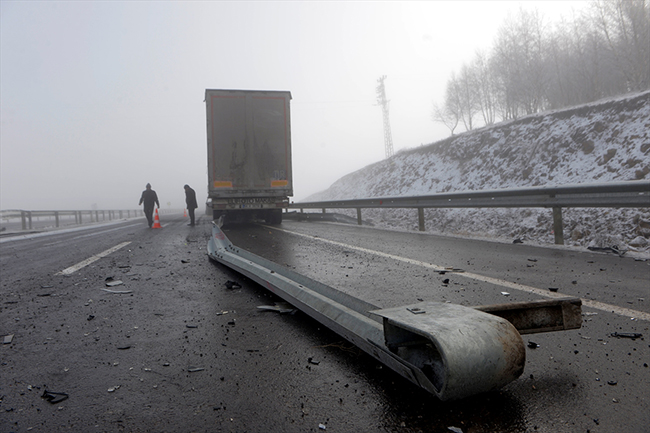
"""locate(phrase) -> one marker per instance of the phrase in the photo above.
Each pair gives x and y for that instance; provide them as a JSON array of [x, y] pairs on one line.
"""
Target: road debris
[[505, 293], [631, 335], [8, 339], [185, 261], [54, 397], [613, 249], [533, 345], [311, 361], [110, 282], [90, 317], [123, 347], [280, 307], [191, 326], [517, 241], [450, 269], [195, 369], [455, 429], [612, 382], [120, 292], [232, 285], [553, 289]]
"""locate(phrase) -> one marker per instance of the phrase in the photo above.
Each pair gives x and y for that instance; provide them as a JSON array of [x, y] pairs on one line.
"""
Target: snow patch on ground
[[598, 142]]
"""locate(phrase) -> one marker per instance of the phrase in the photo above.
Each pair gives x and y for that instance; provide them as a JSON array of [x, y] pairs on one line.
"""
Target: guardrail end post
[[421, 219], [359, 216], [557, 226]]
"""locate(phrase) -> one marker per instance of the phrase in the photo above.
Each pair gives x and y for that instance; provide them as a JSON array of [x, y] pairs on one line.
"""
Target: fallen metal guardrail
[[610, 194], [450, 350]]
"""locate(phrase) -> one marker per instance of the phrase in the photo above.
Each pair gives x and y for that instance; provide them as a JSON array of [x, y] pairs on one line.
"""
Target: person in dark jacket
[[190, 201], [149, 197]]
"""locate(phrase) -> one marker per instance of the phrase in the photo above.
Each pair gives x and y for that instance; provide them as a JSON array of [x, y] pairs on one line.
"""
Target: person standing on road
[[190, 201], [149, 197]]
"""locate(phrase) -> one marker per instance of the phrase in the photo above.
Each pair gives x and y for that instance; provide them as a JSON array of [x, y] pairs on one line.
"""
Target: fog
[[99, 98]]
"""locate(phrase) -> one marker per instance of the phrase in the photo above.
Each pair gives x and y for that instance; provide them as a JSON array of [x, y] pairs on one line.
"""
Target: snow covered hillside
[[604, 141]]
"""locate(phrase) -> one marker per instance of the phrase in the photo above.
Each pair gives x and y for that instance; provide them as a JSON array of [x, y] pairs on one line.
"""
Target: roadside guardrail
[[31, 220], [635, 194]]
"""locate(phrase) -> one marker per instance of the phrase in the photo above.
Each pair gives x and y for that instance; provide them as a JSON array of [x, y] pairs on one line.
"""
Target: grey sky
[[99, 98]]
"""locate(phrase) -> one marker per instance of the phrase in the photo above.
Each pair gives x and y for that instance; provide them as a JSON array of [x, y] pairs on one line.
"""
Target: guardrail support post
[[421, 219], [323, 210], [29, 217], [557, 226], [359, 216], [56, 218], [23, 219]]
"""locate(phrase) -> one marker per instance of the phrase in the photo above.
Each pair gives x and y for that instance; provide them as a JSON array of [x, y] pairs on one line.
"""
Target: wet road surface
[[181, 352]]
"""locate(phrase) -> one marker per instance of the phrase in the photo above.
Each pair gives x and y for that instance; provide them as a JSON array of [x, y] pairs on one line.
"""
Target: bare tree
[[445, 116], [450, 113], [602, 52], [467, 96], [625, 25], [485, 87]]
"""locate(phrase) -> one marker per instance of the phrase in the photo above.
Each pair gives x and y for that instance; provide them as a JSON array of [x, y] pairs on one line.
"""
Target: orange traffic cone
[[184, 213], [156, 221]]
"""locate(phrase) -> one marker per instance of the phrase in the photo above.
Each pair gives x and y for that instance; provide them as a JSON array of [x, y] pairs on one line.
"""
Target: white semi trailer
[[249, 153]]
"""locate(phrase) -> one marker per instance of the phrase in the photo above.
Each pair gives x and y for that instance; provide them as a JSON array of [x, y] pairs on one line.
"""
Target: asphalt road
[[181, 352]]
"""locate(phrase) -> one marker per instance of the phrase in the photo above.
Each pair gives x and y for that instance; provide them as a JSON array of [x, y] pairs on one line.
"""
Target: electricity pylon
[[381, 100]]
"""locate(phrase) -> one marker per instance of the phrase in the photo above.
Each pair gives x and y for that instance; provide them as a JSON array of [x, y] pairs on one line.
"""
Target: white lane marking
[[498, 282], [75, 268], [91, 234], [106, 231]]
